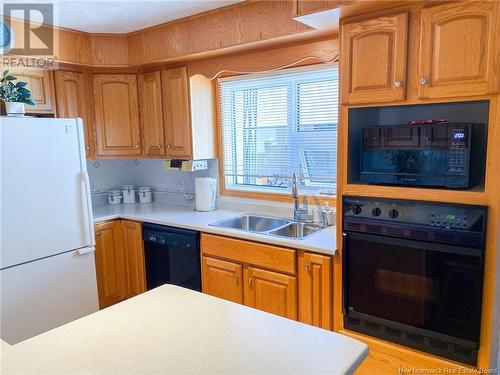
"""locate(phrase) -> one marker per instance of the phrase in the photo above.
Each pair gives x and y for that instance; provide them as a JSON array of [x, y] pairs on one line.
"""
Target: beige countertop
[[172, 330], [323, 241]]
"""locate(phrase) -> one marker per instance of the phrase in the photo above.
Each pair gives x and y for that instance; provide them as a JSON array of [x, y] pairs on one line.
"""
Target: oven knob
[[356, 209], [376, 211], [393, 213]]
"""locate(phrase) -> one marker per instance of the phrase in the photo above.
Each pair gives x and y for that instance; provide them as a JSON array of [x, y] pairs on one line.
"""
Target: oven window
[[432, 290]]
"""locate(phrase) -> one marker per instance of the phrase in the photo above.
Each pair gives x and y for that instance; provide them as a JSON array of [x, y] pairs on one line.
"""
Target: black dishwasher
[[172, 256]]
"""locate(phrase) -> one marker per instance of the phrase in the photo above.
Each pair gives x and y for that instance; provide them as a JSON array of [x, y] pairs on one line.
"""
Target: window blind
[[275, 124]]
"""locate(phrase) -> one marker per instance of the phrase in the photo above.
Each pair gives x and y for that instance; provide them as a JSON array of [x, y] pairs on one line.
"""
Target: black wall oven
[[441, 155], [413, 274]]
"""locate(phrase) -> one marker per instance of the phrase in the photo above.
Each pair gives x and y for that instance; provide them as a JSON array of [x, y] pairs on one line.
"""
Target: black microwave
[[441, 155]]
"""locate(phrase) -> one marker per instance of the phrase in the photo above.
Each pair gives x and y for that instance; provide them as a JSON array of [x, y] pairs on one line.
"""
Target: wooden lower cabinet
[[315, 290], [110, 264], [271, 291], [133, 250], [222, 279], [240, 277], [119, 259]]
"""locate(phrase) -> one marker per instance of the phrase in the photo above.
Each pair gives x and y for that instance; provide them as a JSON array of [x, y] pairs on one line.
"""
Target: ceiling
[[123, 16]]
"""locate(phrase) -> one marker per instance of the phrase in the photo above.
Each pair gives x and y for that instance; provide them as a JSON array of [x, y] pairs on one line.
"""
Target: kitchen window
[[275, 124]]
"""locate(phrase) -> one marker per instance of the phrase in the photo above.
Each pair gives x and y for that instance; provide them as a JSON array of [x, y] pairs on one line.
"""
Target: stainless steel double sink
[[269, 225]]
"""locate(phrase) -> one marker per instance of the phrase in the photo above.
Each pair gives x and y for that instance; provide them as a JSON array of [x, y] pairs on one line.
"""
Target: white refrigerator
[[47, 241]]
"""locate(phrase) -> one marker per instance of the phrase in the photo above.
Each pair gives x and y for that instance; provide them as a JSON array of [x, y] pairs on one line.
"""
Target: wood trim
[[249, 252], [391, 357], [263, 59]]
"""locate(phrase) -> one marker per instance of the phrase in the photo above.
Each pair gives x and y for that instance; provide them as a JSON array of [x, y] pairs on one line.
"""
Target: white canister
[[114, 197], [206, 193], [128, 194], [144, 193]]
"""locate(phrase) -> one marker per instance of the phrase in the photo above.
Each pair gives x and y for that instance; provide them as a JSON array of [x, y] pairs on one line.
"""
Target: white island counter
[[171, 330]]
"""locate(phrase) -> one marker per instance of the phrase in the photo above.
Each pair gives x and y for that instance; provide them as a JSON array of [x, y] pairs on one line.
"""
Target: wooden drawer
[[267, 256]]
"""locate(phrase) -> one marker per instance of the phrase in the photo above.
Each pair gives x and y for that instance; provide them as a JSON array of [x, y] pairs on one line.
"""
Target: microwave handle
[[345, 283]]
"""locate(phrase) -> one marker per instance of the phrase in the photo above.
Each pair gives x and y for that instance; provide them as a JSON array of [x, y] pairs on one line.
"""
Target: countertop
[[172, 330], [323, 241]]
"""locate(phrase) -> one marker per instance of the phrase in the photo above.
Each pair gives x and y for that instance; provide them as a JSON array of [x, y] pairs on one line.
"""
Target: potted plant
[[14, 94]]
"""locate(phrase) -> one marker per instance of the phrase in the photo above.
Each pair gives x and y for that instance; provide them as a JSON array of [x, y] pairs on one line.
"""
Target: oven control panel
[[441, 215]]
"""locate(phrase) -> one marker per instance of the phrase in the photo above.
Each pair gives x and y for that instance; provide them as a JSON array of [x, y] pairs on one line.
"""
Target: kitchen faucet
[[300, 213]]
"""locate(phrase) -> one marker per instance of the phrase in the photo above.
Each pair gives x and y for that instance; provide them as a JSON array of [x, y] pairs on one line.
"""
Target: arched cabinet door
[[457, 49], [116, 115], [373, 59], [40, 83]]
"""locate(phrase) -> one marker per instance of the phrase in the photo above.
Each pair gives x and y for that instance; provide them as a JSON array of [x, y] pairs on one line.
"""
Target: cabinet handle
[[136, 146], [87, 147], [168, 147], [157, 147], [307, 267], [423, 81], [98, 234], [249, 281], [236, 278], [398, 84]]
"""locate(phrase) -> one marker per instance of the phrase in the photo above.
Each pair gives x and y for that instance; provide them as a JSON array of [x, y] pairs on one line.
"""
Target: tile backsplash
[[167, 185]]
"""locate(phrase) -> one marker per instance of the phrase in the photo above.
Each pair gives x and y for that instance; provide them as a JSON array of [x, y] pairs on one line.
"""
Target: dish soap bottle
[[327, 216]]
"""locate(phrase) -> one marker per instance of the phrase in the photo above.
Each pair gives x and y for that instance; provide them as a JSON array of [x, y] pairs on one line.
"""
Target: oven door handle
[[421, 245], [345, 282]]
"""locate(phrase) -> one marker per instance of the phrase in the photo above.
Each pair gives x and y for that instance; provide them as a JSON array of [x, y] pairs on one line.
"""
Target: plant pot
[[14, 109]]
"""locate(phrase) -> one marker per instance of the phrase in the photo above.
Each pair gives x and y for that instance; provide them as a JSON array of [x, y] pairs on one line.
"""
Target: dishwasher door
[[172, 256]]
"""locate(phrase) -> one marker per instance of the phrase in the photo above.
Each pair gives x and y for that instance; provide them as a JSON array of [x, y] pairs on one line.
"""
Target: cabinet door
[[116, 115], [373, 63], [315, 290], [133, 251], [458, 54], [71, 98], [39, 82], [270, 291], [176, 112], [109, 262], [222, 279], [153, 137]]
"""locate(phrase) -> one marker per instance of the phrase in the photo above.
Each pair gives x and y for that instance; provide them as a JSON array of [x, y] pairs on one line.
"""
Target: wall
[[168, 186]]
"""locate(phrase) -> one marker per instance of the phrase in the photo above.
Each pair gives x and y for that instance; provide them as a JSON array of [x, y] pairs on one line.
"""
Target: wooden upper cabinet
[[150, 95], [270, 291], [458, 55], [133, 251], [110, 265], [71, 98], [176, 112], [315, 290], [373, 62], [116, 115], [40, 83], [222, 279]]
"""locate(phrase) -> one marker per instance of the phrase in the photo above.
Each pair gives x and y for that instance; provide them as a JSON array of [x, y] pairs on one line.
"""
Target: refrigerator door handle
[[87, 204], [86, 250]]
